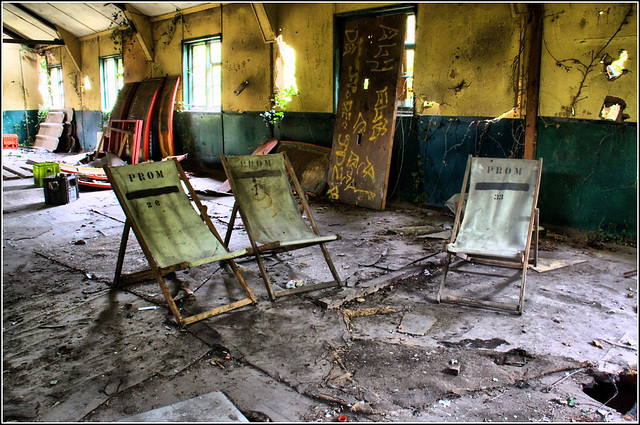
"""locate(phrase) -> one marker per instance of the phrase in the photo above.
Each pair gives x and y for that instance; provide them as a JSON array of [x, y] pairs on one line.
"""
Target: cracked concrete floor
[[75, 351]]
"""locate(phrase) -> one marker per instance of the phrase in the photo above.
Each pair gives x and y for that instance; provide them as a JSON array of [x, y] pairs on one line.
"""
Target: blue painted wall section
[[589, 174], [13, 122]]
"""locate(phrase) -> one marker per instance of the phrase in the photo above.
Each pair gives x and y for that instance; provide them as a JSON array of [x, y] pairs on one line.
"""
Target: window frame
[[339, 20], [59, 83], [104, 83], [188, 79]]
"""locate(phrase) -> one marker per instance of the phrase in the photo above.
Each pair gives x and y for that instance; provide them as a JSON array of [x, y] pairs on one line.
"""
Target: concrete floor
[[378, 349]]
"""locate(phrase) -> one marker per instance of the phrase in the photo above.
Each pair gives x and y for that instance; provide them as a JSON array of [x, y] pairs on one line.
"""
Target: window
[[111, 80], [57, 90], [203, 74], [405, 98]]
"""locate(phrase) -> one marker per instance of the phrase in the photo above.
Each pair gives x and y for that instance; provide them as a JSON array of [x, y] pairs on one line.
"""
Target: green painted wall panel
[[244, 132], [589, 175], [314, 128], [13, 122]]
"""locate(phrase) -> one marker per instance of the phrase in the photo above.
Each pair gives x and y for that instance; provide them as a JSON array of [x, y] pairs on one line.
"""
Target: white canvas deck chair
[[172, 235], [263, 195], [500, 216]]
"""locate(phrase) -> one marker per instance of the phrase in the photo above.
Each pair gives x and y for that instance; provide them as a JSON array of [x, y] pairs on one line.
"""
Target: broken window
[[405, 97], [203, 74], [57, 89], [111, 80]]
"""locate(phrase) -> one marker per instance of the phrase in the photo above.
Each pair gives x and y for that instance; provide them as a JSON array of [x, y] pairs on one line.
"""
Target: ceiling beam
[[72, 46], [264, 22], [12, 33], [34, 15], [143, 30], [29, 42], [194, 9]]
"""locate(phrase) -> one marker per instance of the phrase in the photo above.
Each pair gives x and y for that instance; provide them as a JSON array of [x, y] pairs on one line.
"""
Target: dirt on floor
[[379, 349]]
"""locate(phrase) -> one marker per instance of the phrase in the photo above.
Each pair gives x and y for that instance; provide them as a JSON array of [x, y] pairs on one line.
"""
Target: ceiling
[[37, 21]]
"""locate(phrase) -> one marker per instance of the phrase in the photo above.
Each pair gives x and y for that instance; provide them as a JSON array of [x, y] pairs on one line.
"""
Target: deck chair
[[263, 195], [500, 216], [172, 235]]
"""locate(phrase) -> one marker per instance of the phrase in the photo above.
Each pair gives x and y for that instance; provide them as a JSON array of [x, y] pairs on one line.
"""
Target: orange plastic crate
[[9, 141]]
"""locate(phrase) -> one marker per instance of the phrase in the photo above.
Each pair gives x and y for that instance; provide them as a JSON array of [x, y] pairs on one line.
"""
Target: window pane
[[199, 53], [203, 74], [411, 29], [216, 51]]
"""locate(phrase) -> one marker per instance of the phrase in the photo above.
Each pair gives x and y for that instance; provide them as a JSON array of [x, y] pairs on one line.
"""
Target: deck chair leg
[[232, 221], [123, 248], [535, 248], [265, 276], [334, 272], [444, 276], [524, 279], [236, 272], [167, 295]]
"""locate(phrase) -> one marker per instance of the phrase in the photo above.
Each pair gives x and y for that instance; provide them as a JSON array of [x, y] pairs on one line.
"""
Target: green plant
[[279, 105], [124, 32], [419, 196]]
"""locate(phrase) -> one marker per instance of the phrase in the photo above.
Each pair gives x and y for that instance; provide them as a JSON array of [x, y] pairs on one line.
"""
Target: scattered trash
[[597, 343], [80, 242], [342, 419], [603, 412], [571, 401], [295, 283], [53, 382], [630, 273], [444, 402], [361, 407], [90, 275], [150, 307], [215, 362], [546, 264], [494, 379], [454, 367], [303, 264], [360, 299]]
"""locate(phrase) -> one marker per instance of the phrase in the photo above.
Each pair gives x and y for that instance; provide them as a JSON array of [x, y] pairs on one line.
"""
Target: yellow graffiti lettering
[[379, 129], [369, 171], [332, 193], [350, 37], [383, 50], [387, 33], [340, 157], [353, 160], [344, 143], [388, 65], [361, 125]]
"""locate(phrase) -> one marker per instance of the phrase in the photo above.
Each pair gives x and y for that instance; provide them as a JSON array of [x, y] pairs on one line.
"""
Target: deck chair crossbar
[[515, 220], [263, 191], [172, 234]]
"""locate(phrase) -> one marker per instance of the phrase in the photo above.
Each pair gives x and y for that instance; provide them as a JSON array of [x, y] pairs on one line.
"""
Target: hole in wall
[[616, 391], [366, 84], [614, 68], [612, 109], [359, 140]]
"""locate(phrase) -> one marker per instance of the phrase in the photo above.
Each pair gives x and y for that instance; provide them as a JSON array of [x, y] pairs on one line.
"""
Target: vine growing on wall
[[123, 32], [585, 68]]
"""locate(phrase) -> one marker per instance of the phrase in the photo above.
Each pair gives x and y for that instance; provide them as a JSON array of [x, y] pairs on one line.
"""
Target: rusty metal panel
[[363, 136]]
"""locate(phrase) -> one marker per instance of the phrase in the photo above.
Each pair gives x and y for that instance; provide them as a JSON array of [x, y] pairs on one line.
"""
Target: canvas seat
[[270, 214], [172, 232], [499, 220]]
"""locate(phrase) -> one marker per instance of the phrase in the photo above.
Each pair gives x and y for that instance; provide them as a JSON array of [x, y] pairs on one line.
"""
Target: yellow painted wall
[[91, 98], [136, 67], [18, 68], [71, 82], [308, 29], [577, 31], [464, 54], [245, 56], [169, 34]]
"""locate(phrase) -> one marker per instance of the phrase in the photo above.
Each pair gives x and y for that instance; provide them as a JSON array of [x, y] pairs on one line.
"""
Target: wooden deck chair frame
[[522, 263], [276, 247], [157, 272]]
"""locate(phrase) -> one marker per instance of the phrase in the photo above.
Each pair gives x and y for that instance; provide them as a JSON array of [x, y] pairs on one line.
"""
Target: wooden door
[[365, 121]]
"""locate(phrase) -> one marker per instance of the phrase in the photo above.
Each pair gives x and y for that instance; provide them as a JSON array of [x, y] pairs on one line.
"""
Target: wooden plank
[[163, 144], [8, 176], [141, 109], [72, 46], [533, 81], [365, 122], [49, 143], [13, 168]]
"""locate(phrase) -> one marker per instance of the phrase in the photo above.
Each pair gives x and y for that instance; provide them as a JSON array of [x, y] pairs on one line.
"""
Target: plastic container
[[9, 141], [60, 189], [44, 169]]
